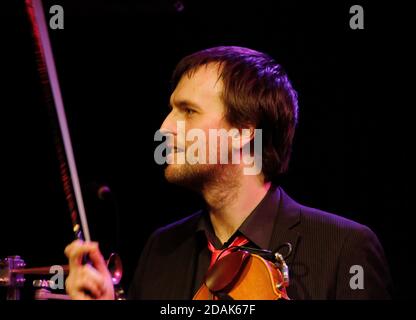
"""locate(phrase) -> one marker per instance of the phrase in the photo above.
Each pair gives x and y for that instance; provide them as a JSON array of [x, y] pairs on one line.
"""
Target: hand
[[85, 281]]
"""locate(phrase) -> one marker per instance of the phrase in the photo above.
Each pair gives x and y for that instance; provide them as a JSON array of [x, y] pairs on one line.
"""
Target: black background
[[114, 60]]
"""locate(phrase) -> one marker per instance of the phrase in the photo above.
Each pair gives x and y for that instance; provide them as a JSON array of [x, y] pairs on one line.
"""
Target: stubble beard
[[193, 176], [201, 177]]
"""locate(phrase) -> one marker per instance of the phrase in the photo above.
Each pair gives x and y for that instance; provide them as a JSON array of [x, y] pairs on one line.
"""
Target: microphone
[[106, 215], [104, 192]]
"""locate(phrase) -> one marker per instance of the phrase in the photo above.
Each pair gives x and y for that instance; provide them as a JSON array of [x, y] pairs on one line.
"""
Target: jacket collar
[[256, 227]]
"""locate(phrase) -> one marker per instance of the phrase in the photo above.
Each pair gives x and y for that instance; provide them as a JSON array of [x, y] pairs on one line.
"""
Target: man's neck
[[231, 202]]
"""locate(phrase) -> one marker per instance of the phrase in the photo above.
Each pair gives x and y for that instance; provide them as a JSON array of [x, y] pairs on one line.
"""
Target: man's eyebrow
[[185, 104]]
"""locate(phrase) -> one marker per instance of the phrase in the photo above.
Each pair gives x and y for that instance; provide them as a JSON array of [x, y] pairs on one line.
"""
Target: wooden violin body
[[243, 276]]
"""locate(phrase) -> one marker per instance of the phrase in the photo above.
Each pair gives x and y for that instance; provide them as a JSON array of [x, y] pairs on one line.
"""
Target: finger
[[91, 287], [98, 261], [85, 278], [73, 252], [94, 275], [78, 251], [70, 248]]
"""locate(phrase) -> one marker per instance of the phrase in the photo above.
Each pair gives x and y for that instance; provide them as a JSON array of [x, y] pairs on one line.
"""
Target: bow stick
[[50, 84]]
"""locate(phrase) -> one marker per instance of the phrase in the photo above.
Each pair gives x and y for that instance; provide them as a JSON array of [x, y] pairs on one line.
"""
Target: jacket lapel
[[284, 233]]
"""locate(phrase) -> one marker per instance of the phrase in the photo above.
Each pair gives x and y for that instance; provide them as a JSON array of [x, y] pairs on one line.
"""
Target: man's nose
[[169, 124]]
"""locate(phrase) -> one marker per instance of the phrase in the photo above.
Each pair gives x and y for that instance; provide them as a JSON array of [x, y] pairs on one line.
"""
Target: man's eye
[[189, 111]]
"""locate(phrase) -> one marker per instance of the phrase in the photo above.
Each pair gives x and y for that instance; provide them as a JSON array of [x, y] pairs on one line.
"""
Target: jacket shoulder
[[322, 226], [316, 219], [178, 231], [313, 217]]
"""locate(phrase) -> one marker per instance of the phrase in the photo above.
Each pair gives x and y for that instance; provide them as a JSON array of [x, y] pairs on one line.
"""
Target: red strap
[[238, 241]]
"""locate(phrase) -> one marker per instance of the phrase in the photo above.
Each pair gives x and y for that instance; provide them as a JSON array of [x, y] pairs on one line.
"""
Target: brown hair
[[257, 92]]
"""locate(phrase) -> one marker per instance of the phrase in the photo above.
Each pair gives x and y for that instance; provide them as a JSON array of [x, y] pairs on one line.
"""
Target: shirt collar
[[257, 227]]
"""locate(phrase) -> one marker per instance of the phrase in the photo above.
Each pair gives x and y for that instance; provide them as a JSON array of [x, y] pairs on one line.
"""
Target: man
[[225, 88]]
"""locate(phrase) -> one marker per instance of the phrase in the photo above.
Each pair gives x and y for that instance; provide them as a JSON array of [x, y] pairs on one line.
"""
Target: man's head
[[231, 87]]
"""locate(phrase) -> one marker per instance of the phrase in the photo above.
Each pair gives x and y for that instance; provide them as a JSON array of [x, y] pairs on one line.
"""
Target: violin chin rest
[[225, 272]]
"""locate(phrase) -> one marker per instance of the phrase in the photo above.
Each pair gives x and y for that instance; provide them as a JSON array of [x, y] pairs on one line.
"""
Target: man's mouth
[[174, 149], [175, 154]]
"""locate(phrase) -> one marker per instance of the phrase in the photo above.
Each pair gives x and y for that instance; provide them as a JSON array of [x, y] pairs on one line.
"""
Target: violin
[[245, 275]]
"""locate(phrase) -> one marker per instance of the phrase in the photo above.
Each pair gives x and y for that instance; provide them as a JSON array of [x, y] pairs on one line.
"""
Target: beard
[[198, 176], [194, 176]]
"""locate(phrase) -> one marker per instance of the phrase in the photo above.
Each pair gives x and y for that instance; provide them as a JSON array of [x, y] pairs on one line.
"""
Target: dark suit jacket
[[325, 248]]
